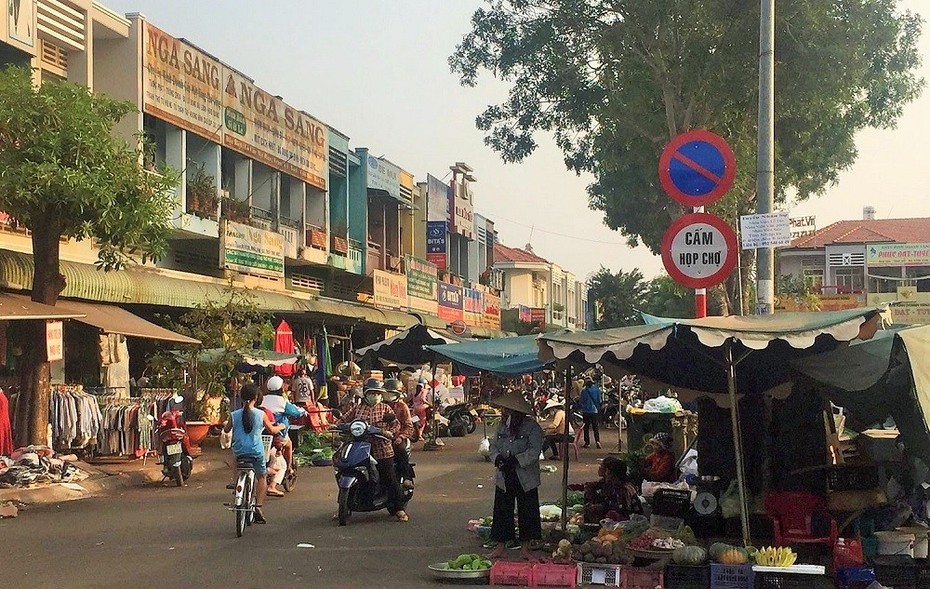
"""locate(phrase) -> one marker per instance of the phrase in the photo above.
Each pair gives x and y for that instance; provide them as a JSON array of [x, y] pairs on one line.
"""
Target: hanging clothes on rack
[[75, 417], [6, 430]]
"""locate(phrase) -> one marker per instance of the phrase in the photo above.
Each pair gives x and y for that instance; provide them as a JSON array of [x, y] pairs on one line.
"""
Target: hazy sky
[[377, 70]]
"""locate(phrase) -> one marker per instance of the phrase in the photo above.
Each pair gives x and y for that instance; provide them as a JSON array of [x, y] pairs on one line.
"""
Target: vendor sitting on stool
[[659, 464], [613, 496]]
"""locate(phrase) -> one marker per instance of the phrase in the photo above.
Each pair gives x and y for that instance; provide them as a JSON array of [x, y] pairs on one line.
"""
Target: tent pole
[[565, 425], [737, 443]]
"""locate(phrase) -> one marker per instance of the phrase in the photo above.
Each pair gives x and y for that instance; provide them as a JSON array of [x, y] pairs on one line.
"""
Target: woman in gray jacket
[[515, 450]]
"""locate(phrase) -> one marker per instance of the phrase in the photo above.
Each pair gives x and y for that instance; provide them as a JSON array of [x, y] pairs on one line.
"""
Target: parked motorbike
[[357, 475], [462, 419], [177, 461]]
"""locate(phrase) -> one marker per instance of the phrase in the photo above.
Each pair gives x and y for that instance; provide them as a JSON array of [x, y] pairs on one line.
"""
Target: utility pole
[[765, 165]]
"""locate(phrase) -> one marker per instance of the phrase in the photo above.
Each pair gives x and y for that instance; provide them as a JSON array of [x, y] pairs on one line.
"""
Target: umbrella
[[404, 348], [284, 343], [685, 352]]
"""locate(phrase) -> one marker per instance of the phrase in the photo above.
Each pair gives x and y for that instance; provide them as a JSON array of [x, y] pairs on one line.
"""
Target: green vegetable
[[689, 555]]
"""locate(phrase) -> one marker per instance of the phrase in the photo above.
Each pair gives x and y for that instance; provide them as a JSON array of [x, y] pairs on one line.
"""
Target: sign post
[[696, 168]]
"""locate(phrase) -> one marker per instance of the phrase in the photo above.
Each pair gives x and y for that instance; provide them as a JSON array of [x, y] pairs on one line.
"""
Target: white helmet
[[275, 383]]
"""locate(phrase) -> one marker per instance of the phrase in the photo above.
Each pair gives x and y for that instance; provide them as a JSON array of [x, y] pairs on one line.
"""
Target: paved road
[[167, 537]]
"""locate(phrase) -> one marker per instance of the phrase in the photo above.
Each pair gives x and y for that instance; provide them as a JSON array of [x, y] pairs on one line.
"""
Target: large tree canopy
[[63, 174], [614, 80]]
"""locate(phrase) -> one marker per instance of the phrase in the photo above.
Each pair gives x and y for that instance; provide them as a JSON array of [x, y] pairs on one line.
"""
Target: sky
[[377, 71]]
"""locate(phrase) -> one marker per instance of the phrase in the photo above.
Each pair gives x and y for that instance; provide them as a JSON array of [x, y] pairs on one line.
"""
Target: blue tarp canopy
[[507, 356]]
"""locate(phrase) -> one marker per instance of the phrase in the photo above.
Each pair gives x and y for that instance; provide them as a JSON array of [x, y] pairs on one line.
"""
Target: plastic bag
[[729, 501], [662, 404], [484, 447]]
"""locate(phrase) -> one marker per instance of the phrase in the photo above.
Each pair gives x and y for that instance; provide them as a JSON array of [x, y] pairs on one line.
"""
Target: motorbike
[[462, 418], [177, 461], [357, 475]]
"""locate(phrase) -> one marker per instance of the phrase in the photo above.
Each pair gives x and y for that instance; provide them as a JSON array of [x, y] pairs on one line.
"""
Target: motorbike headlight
[[358, 428]]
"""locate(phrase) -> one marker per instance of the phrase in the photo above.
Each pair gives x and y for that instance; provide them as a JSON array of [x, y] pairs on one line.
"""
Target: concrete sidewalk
[[109, 475]]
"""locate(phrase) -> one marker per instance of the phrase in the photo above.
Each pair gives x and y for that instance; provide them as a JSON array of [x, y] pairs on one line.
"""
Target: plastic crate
[[637, 578], [554, 575], [847, 553], [923, 574], [769, 580], [671, 502], [900, 572], [679, 576], [853, 478], [511, 573], [590, 573], [729, 576]]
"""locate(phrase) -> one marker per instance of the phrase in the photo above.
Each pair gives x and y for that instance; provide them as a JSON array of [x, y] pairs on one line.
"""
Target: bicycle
[[244, 503]]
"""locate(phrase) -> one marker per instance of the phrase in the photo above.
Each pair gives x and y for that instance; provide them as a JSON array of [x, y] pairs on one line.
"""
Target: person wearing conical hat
[[515, 450]]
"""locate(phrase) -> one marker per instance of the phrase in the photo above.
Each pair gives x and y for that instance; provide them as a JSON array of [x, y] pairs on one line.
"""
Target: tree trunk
[[47, 283]]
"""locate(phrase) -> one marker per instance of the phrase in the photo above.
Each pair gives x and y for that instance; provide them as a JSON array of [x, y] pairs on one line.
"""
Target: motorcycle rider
[[374, 411], [393, 396], [277, 403]]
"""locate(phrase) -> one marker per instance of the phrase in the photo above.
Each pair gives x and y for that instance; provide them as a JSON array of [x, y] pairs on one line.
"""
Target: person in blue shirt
[[590, 411], [283, 410], [247, 425]]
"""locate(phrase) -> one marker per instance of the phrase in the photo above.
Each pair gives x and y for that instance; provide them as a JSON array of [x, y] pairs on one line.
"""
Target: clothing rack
[[75, 417], [128, 426]]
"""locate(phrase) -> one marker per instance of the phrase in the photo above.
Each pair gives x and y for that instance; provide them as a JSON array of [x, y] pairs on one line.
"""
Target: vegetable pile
[[469, 562]]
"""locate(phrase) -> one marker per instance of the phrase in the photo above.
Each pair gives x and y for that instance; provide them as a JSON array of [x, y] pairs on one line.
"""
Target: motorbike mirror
[[390, 418]]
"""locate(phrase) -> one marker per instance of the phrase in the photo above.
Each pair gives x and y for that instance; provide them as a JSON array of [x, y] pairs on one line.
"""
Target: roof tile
[[867, 231], [502, 253]]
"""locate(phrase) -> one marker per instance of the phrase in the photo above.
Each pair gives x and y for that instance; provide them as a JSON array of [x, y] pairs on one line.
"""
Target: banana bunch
[[776, 557]]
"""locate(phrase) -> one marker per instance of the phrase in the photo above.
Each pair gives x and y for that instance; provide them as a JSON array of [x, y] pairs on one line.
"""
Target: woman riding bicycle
[[246, 425]]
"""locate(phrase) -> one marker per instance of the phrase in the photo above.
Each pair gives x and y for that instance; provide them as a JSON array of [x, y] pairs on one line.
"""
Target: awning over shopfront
[[15, 307], [405, 349], [113, 319], [147, 287], [508, 356]]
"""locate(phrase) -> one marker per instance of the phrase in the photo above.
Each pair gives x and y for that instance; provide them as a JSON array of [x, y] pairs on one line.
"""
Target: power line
[[495, 217]]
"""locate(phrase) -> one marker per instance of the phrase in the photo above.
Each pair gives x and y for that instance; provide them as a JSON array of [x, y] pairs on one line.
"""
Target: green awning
[[145, 286]]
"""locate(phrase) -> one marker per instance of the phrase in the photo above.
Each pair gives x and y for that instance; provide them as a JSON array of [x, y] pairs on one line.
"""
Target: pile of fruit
[[776, 557], [734, 555], [469, 562], [605, 548]]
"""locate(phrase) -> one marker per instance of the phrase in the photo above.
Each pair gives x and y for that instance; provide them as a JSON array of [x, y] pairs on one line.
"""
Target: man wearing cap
[[283, 410], [515, 450]]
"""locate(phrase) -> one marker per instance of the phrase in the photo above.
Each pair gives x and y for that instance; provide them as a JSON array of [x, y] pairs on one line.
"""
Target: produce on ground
[[689, 556], [734, 555], [605, 549], [776, 557], [469, 562]]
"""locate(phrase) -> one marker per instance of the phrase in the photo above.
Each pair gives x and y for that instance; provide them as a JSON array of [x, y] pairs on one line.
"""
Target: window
[[849, 279], [813, 277]]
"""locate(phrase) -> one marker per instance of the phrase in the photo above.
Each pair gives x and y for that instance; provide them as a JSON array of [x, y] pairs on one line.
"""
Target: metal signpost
[[696, 168]]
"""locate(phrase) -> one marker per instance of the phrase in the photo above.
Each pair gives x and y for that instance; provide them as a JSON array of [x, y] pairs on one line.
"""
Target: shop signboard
[[538, 315], [825, 302], [390, 290], [463, 215], [383, 175], [897, 254], [803, 226], [491, 318], [421, 285], [436, 243], [261, 126], [54, 341], [181, 84], [450, 302], [437, 199], [472, 307], [251, 250]]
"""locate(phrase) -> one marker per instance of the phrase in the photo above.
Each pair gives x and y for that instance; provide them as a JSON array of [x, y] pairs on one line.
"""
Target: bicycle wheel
[[251, 512], [243, 504]]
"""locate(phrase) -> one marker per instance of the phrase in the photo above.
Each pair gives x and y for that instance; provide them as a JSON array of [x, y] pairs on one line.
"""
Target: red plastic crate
[[554, 575], [511, 573], [635, 578]]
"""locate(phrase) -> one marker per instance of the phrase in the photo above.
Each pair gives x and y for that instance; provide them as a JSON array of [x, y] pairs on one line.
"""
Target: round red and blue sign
[[697, 168]]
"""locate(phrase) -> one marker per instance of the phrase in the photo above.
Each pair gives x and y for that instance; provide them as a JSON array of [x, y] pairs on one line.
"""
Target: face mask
[[372, 399]]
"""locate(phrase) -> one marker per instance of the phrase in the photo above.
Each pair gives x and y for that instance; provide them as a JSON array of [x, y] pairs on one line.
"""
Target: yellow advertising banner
[[491, 317], [909, 313], [390, 290], [897, 254], [181, 84], [839, 302], [261, 126]]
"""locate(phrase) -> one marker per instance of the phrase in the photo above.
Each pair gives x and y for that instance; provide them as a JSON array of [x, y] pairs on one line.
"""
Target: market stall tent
[[703, 354], [507, 356], [888, 376], [405, 348]]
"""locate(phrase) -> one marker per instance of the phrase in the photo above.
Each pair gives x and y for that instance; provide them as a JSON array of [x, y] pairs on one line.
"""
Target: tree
[[63, 174], [615, 80], [511, 322], [618, 298], [226, 328], [795, 293], [667, 298]]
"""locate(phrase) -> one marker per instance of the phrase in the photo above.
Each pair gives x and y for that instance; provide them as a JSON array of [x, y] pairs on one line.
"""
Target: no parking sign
[[697, 168]]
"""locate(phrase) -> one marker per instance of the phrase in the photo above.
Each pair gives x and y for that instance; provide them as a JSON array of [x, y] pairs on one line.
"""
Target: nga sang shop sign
[[251, 250], [390, 290]]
